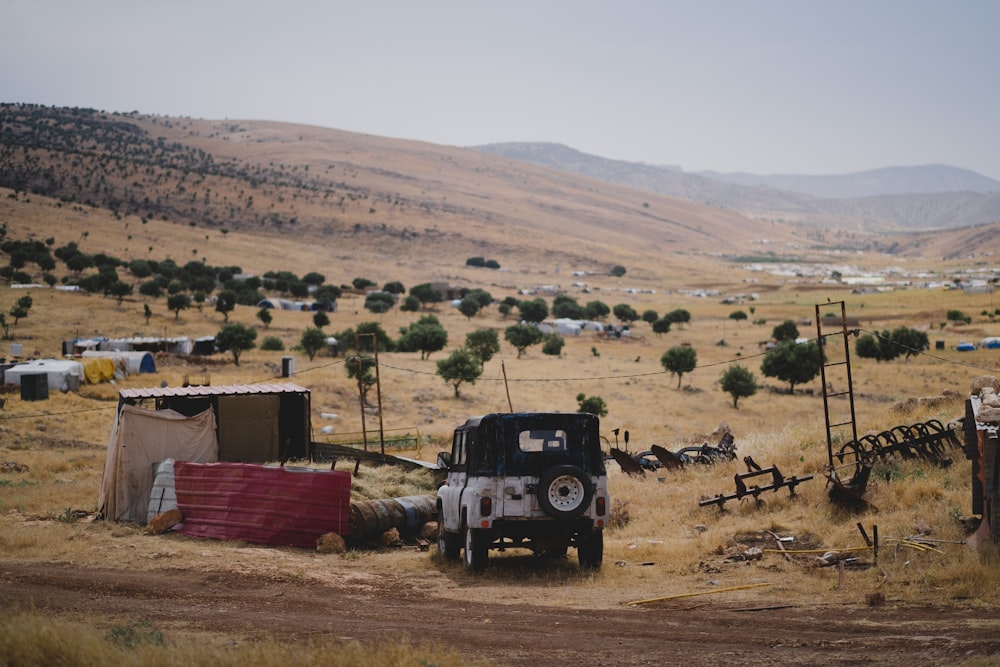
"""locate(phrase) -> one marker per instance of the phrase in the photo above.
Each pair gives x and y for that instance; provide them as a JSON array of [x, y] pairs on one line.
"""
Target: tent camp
[[131, 362], [234, 423], [63, 374]]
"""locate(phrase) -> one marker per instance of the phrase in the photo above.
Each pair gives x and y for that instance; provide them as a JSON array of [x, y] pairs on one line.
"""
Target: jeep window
[[542, 441], [458, 449]]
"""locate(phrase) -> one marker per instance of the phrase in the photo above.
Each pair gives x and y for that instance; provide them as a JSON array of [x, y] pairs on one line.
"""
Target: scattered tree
[[738, 382], [321, 319], [522, 336], [738, 316], [225, 303], [460, 366], [785, 331], [661, 326], [426, 335], [680, 360], [20, 308], [594, 405], [794, 363], [379, 302], [236, 338], [272, 344], [177, 303], [484, 343], [617, 271], [625, 313], [650, 316], [469, 306], [533, 310], [312, 341], [361, 367], [265, 317], [552, 344], [147, 312]]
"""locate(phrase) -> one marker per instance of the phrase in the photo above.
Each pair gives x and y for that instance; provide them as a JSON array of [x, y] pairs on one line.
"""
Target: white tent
[[63, 374], [141, 438]]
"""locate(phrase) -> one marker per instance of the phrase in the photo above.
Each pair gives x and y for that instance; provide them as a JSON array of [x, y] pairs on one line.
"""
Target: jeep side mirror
[[444, 460]]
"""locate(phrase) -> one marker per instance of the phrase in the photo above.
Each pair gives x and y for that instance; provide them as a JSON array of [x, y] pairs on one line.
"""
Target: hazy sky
[[763, 86]]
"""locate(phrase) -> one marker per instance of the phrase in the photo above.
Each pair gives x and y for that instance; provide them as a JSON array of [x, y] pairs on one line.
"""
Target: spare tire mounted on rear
[[565, 492]]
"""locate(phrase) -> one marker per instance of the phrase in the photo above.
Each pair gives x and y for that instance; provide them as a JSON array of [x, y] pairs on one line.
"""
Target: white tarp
[[141, 438], [59, 372]]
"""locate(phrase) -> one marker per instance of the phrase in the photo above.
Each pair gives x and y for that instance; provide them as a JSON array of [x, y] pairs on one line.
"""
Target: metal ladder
[[840, 366]]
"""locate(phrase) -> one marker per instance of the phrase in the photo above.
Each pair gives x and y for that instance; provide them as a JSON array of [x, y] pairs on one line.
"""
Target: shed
[[235, 423], [256, 423]]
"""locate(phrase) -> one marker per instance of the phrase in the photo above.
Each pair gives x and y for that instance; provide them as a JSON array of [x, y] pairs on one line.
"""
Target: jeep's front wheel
[[449, 544], [476, 549], [590, 550], [564, 492]]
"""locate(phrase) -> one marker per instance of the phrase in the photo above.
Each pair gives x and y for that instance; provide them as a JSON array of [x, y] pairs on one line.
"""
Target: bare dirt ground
[[390, 608]]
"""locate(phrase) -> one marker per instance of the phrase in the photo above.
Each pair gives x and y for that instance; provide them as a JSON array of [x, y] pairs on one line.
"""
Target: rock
[[923, 529], [753, 553], [390, 538], [978, 383], [429, 531], [330, 543], [164, 521], [989, 415]]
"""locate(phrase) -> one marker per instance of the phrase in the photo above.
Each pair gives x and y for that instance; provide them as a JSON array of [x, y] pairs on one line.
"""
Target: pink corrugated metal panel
[[221, 390], [262, 504]]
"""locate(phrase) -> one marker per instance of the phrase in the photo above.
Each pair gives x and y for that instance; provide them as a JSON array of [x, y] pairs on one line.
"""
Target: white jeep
[[530, 480]]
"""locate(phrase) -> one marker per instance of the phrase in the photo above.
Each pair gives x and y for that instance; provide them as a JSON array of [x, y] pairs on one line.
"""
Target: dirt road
[[680, 632]]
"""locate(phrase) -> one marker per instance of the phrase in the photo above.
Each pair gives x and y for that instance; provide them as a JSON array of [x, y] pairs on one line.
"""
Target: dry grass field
[[663, 543]]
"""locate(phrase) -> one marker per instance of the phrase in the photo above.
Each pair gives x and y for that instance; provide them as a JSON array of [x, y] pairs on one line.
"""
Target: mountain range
[[889, 199]]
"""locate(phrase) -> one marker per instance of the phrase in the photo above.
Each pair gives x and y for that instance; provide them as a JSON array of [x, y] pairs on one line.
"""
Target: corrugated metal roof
[[221, 390]]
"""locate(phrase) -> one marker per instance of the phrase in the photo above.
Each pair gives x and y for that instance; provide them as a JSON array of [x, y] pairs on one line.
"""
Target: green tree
[[533, 310], [522, 336], [552, 344], [738, 382], [361, 368], [362, 283], [594, 405], [411, 304], [785, 331], [649, 316], [678, 316], [147, 312], [320, 319], [225, 303], [426, 294], [794, 363], [395, 287], [272, 344], [617, 271], [910, 342], [265, 317], [661, 326], [566, 306], [469, 306], [738, 316], [177, 303], [119, 290], [20, 309], [460, 366], [625, 313], [312, 341], [379, 302], [236, 339], [679, 360], [596, 310], [958, 317], [484, 343], [426, 335]]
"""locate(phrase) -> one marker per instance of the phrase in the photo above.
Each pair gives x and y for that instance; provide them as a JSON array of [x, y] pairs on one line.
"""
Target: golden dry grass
[[668, 546]]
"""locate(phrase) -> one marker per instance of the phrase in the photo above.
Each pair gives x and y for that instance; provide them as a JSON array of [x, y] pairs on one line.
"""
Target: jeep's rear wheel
[[564, 492], [476, 549], [449, 544], [590, 550]]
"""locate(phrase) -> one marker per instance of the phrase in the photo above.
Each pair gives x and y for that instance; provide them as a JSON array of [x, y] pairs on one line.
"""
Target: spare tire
[[564, 492]]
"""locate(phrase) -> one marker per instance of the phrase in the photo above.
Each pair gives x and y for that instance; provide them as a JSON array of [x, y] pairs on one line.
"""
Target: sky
[[758, 86]]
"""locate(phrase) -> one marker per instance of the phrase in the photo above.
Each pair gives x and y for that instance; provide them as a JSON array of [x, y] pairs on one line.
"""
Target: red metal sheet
[[262, 504]]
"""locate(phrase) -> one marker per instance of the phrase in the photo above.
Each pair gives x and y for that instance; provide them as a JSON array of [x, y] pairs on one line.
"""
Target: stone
[[391, 538], [429, 530]]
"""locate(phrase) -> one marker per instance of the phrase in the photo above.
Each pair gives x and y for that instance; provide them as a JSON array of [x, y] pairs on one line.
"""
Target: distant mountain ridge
[[881, 200], [924, 179]]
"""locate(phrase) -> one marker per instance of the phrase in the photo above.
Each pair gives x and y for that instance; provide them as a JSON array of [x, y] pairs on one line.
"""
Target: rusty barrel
[[371, 518]]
